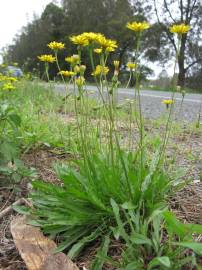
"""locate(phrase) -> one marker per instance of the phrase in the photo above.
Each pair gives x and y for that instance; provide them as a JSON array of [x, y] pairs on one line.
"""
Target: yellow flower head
[[110, 49], [80, 40], [100, 70], [80, 81], [9, 86], [98, 50], [131, 65], [138, 26], [179, 28], [66, 73], [11, 79], [56, 45], [74, 59], [91, 37], [48, 58], [107, 44], [167, 101], [116, 64]]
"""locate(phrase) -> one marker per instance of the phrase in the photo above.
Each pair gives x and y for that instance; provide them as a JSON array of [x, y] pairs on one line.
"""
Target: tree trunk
[[181, 75]]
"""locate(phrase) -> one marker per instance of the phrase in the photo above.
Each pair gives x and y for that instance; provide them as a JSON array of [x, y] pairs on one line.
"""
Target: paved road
[[151, 102]]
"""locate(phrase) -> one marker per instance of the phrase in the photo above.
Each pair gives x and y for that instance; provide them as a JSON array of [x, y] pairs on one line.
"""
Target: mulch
[[187, 203]]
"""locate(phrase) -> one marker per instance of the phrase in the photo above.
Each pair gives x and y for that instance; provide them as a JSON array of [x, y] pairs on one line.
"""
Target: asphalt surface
[[151, 101]]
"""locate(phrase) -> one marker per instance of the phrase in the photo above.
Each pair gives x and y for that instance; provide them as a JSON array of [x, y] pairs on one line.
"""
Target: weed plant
[[112, 193]]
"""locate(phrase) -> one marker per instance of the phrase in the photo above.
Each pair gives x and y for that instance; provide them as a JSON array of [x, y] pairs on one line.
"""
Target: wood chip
[[36, 250]]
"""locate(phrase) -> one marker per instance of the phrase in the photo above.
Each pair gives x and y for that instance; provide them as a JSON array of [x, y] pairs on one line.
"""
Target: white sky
[[16, 13]]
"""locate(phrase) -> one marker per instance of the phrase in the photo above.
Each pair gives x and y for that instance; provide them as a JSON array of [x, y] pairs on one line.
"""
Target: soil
[[42, 160], [187, 203]]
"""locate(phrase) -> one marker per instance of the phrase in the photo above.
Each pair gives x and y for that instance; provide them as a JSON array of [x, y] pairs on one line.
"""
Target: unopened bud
[[76, 69], [80, 81], [82, 69], [116, 64]]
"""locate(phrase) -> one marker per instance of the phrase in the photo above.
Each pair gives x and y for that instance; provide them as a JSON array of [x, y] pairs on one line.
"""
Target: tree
[[74, 17], [108, 17], [35, 36], [182, 11]]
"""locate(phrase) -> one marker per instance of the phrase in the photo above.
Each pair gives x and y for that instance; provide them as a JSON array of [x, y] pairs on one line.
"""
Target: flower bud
[[82, 69], [76, 69], [116, 65], [80, 81]]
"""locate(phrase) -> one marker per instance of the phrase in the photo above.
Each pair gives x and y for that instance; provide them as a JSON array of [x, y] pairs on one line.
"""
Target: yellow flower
[[9, 86], [110, 49], [167, 101], [116, 64], [131, 65], [80, 40], [12, 79], [56, 45], [98, 50], [66, 73], [48, 58], [7, 78], [80, 81], [91, 37], [179, 28], [74, 59], [107, 44], [138, 26], [100, 70]]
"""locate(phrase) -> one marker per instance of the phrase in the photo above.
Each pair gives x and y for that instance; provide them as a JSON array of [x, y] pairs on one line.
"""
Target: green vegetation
[[116, 186]]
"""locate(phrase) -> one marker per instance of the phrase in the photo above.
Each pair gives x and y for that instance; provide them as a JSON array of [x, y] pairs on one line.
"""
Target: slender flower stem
[[169, 119], [129, 80], [137, 88]]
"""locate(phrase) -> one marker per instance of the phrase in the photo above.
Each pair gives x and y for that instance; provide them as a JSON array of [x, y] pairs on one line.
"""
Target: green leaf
[[15, 119], [159, 261], [101, 255], [128, 206], [120, 224], [173, 225], [133, 266], [140, 239], [21, 209], [75, 250], [9, 150], [196, 247]]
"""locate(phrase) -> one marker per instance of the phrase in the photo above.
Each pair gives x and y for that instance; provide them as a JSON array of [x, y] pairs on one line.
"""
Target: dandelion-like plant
[[138, 26], [180, 29]]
